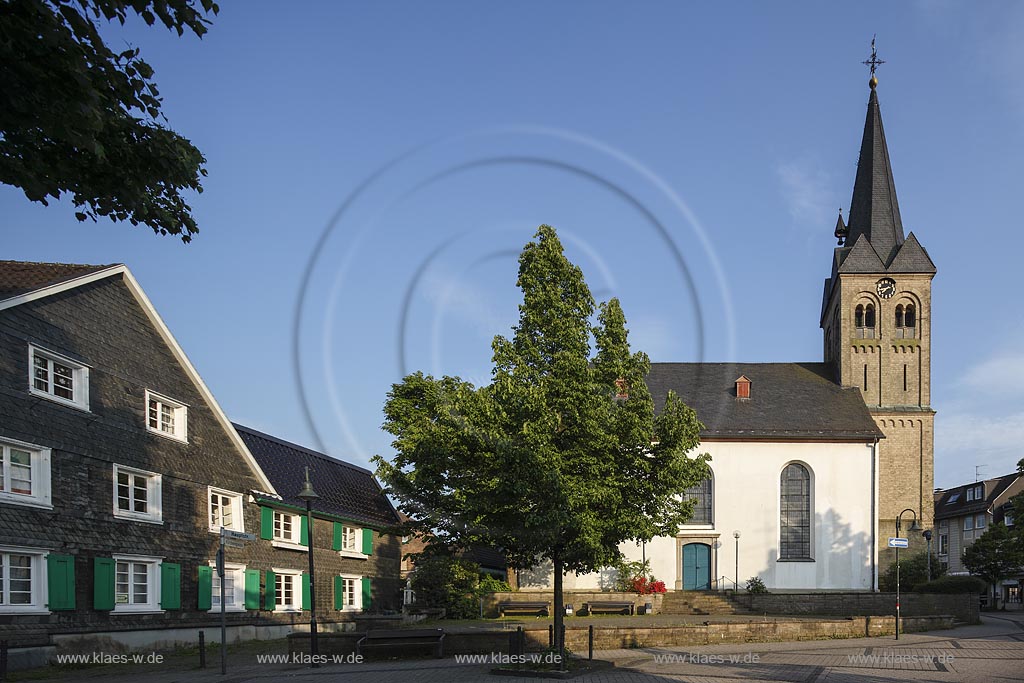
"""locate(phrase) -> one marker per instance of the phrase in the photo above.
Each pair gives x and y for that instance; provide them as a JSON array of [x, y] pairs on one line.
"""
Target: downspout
[[874, 516]]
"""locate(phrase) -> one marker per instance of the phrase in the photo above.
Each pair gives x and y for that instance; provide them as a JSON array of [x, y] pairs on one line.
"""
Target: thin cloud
[[806, 189]]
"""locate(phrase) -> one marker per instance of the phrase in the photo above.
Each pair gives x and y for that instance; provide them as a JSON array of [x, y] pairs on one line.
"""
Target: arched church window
[[906, 321], [702, 495], [899, 315], [795, 510], [864, 321], [910, 319]]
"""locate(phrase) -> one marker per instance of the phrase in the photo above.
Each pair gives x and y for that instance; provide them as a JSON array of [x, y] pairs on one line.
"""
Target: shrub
[[756, 586], [488, 584], [645, 586], [627, 572], [913, 571], [447, 582], [953, 584]]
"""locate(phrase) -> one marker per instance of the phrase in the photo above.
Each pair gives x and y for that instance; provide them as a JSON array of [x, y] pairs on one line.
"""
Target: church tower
[[876, 319]]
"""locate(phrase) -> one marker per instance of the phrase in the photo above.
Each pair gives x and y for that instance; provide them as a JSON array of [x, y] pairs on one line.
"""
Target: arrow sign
[[895, 542], [237, 535]]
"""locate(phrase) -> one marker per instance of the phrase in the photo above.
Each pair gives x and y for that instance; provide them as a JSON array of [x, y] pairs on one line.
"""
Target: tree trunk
[[559, 608]]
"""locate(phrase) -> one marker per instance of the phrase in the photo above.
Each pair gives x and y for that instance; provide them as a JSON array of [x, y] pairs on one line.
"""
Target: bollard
[[590, 642], [202, 649], [551, 635], [3, 660], [521, 640]]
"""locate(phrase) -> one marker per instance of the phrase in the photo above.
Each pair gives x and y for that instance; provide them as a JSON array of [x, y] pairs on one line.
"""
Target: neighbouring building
[[813, 462], [118, 469], [963, 513]]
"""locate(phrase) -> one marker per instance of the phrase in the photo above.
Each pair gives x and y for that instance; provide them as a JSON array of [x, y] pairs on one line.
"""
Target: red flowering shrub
[[644, 586]]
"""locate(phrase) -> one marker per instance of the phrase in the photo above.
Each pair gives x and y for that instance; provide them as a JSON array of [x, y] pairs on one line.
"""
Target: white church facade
[[813, 462]]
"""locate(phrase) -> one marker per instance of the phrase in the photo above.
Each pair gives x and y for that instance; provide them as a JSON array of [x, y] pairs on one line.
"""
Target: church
[[814, 462]]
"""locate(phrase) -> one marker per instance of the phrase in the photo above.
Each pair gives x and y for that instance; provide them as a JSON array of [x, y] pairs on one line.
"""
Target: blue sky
[[383, 163]]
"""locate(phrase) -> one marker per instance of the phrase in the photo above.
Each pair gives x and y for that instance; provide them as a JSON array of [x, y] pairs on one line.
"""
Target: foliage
[[756, 586], [489, 584], [913, 571], [994, 556], [78, 118], [952, 584], [626, 571], [547, 461], [444, 581]]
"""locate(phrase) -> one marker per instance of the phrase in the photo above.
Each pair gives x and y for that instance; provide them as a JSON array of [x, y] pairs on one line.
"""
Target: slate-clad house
[[118, 468]]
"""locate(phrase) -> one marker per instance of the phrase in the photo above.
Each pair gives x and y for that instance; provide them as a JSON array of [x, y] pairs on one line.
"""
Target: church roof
[[874, 209], [912, 258], [787, 401]]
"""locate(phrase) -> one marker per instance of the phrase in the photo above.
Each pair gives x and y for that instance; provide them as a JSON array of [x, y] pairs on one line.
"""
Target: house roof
[[20, 277], [787, 401], [345, 490], [952, 502]]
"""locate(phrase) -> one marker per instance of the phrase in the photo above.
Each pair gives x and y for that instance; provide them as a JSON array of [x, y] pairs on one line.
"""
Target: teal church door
[[696, 567]]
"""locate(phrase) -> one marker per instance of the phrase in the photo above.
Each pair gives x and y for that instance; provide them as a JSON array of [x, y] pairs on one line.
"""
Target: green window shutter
[[338, 530], [367, 541], [252, 589], [60, 579], [170, 586], [205, 576], [305, 591], [367, 593], [266, 523], [339, 592], [304, 530], [270, 597], [103, 583]]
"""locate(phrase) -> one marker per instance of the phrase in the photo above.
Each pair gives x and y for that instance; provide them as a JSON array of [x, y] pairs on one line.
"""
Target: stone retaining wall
[[572, 597], [480, 642], [962, 606]]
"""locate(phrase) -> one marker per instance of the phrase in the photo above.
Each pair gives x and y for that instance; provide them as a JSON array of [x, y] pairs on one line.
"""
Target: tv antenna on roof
[[977, 472]]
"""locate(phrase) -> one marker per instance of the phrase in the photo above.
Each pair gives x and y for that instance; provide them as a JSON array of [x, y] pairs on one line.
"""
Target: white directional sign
[[895, 542], [237, 535]]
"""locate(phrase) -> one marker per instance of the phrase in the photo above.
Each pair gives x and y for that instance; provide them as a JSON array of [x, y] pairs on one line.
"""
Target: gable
[[103, 319]]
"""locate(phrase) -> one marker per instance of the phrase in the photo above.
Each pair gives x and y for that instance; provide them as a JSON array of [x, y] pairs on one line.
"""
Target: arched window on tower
[[864, 321], [906, 321], [702, 495], [795, 509]]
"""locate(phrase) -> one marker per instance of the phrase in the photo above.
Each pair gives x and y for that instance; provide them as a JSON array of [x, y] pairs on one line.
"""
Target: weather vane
[[874, 61]]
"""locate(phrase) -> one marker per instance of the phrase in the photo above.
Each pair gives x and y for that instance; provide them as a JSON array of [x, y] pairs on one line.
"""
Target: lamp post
[[914, 526], [309, 495], [927, 533], [736, 575]]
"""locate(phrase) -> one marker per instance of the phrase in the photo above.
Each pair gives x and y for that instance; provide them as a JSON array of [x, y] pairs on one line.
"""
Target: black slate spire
[[874, 210]]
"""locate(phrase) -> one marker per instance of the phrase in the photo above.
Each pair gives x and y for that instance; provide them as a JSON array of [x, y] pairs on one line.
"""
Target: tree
[[561, 456], [913, 572], [77, 118], [995, 555]]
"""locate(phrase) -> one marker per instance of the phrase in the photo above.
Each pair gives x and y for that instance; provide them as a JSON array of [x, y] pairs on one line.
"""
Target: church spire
[[874, 210]]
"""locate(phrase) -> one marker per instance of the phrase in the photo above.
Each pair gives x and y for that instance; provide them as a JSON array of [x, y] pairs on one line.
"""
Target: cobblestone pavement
[[992, 652]]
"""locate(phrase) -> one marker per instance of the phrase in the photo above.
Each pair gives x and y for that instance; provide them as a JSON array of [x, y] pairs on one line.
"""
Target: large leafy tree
[[561, 456], [994, 556], [78, 118]]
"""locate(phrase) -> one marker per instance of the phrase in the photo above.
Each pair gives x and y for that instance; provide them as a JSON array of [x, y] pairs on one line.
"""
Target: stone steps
[[699, 602]]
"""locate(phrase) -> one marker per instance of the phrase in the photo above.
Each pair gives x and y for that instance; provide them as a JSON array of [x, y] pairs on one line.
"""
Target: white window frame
[[41, 495], [295, 576], [943, 544], [79, 378], [1008, 519], [355, 549], [180, 414], [969, 523], [291, 541], [357, 603], [37, 576], [153, 587], [238, 571], [238, 521], [154, 496], [982, 518]]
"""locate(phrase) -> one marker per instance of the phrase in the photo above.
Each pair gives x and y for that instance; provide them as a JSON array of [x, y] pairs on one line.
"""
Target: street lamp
[[309, 495], [736, 575], [927, 533], [914, 526]]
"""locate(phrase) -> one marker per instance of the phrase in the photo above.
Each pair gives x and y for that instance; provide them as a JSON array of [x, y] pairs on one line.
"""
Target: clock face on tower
[[886, 287]]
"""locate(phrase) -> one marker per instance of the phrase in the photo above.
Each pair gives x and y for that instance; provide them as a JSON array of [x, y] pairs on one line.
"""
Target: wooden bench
[[523, 606], [434, 637], [608, 606]]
